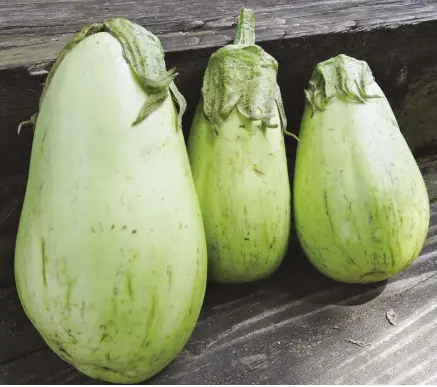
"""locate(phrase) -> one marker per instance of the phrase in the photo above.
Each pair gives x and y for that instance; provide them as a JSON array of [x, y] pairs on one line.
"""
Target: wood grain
[[405, 72], [35, 32], [297, 327]]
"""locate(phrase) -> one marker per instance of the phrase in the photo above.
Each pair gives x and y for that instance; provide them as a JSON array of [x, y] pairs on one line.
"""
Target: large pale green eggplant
[[237, 156], [110, 257], [361, 205]]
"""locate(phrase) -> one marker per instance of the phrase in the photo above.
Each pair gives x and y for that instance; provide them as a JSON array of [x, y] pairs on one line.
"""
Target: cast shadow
[[298, 280]]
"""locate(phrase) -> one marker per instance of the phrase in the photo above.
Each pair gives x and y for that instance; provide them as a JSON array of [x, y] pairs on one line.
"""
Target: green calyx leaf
[[143, 52], [241, 76], [282, 116], [341, 77], [181, 103]]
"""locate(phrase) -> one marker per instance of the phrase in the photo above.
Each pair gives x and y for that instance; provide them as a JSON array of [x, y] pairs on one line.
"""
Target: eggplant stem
[[245, 27]]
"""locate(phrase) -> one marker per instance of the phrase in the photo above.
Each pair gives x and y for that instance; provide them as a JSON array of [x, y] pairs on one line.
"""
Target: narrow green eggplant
[[237, 156]]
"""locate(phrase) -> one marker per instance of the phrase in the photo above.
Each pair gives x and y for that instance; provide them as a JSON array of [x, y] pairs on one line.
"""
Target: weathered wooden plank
[[276, 330], [405, 71], [283, 333], [296, 327], [16, 335], [34, 32]]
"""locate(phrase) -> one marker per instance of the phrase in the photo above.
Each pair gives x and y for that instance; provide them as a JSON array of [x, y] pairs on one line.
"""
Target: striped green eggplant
[[360, 202]]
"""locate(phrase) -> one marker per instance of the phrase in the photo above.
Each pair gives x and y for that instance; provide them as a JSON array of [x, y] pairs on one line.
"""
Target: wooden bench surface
[[34, 32], [297, 326]]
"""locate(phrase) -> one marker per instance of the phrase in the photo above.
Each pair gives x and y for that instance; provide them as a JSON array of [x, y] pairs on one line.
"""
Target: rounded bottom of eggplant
[[110, 375], [117, 372], [350, 277], [230, 276]]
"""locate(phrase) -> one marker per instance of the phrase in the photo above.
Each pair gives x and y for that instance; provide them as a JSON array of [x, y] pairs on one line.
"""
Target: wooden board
[[406, 73], [297, 327], [34, 32]]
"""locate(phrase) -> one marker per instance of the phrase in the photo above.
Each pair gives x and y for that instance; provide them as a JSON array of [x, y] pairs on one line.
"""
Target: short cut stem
[[245, 27]]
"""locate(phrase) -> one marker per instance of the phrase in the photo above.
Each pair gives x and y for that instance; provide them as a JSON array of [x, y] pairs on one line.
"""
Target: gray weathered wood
[[296, 327], [34, 32]]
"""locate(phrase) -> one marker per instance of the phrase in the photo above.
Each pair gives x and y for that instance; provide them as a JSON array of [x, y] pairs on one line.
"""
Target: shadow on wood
[[295, 327]]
